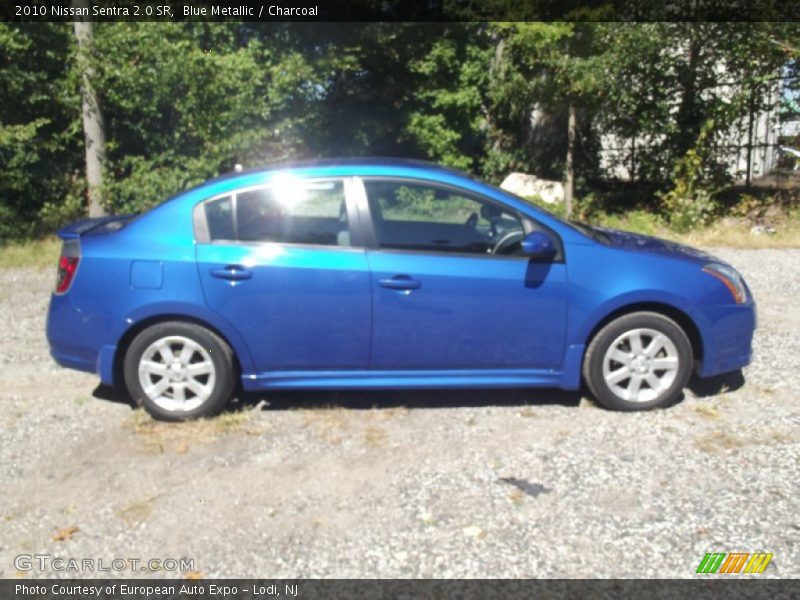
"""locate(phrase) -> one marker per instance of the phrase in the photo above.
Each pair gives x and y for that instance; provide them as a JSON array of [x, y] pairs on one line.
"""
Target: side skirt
[[478, 378]]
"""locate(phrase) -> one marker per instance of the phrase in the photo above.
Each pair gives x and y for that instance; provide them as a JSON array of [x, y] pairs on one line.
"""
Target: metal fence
[[749, 149]]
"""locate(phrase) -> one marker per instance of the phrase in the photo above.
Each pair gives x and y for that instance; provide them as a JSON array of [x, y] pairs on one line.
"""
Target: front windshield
[[580, 227]]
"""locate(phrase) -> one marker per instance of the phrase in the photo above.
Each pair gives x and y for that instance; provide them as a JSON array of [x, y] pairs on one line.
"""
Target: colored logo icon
[[735, 562]]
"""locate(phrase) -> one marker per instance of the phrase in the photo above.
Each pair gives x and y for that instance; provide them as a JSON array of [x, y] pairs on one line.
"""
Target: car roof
[[367, 161]]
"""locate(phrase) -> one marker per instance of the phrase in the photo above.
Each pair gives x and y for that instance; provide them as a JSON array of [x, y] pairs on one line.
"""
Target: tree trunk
[[689, 118], [496, 71], [93, 128], [751, 109], [569, 187]]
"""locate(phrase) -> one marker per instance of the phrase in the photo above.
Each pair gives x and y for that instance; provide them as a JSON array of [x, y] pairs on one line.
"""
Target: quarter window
[[219, 216], [419, 216]]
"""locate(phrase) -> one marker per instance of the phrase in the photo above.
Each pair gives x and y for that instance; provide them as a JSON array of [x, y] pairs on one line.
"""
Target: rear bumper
[[72, 361], [74, 344]]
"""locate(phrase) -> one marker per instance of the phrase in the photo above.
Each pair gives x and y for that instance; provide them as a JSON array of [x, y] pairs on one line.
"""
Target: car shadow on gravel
[[112, 394], [369, 399], [719, 384]]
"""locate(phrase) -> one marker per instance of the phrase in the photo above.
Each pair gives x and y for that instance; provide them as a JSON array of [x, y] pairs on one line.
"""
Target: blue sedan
[[384, 274]]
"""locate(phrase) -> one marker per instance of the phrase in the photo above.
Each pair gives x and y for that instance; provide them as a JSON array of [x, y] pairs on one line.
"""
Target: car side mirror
[[539, 245]]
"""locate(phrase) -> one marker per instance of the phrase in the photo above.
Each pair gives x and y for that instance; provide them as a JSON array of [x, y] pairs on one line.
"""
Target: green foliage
[[556, 209], [639, 221], [690, 203], [414, 203], [72, 206], [446, 123], [537, 71], [748, 204], [186, 101], [666, 80], [39, 143]]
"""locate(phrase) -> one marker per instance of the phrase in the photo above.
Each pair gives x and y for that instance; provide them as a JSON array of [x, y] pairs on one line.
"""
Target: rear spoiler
[[78, 228]]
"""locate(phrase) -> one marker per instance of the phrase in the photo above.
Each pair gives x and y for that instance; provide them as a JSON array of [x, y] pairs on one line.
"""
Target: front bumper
[[727, 334]]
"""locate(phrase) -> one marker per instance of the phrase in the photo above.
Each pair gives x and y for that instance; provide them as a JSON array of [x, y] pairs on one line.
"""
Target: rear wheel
[[179, 371], [639, 361]]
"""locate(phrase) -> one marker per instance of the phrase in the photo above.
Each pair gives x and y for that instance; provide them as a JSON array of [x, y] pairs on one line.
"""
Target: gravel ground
[[500, 483]]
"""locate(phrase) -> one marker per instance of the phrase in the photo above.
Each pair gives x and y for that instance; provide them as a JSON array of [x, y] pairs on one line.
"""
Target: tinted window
[[417, 216], [219, 216], [288, 211]]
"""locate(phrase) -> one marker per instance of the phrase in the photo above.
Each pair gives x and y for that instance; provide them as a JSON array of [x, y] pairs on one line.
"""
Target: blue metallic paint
[[147, 274], [303, 307], [318, 316], [470, 312]]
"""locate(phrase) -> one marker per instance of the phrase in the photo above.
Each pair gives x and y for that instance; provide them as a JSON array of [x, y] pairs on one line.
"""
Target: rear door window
[[288, 211]]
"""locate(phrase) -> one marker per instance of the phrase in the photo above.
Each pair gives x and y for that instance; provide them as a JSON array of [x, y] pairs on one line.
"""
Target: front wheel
[[179, 371], [639, 361]]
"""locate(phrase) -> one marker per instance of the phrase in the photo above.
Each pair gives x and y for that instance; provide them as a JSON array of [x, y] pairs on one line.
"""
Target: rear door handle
[[400, 282], [232, 273]]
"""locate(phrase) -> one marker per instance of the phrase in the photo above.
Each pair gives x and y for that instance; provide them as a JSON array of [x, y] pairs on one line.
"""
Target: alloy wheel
[[177, 374], [640, 365]]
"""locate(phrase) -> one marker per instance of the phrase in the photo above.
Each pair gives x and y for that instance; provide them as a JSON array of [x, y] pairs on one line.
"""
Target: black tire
[[208, 350], [635, 325]]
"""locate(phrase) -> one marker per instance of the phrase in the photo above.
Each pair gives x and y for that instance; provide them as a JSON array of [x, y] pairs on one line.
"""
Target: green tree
[[668, 80], [40, 158], [186, 101], [447, 120], [543, 73]]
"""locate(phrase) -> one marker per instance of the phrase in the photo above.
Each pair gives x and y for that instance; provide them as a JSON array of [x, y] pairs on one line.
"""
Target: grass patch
[[159, 436], [517, 497], [727, 232], [639, 221], [137, 512], [374, 436], [529, 412], [724, 232], [707, 410], [737, 235], [36, 253], [65, 534], [328, 423], [333, 423], [386, 414], [719, 441]]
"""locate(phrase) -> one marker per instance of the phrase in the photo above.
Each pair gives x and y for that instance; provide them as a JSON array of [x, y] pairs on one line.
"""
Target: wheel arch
[[683, 320], [128, 336]]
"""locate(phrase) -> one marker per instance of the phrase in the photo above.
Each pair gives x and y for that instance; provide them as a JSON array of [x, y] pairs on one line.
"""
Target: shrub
[[690, 203]]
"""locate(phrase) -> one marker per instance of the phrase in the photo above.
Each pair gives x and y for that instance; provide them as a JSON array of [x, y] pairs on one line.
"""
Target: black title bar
[[700, 588], [401, 10]]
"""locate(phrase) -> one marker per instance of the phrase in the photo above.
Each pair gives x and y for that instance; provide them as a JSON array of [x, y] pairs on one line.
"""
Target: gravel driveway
[[500, 483]]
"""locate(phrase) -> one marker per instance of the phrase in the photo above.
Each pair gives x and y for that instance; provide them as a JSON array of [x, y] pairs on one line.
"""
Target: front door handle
[[232, 273], [400, 282]]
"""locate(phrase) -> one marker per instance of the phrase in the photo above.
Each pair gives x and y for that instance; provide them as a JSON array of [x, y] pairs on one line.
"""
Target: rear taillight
[[67, 266]]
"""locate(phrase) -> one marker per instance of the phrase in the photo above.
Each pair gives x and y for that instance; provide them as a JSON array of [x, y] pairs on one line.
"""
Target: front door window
[[429, 218]]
